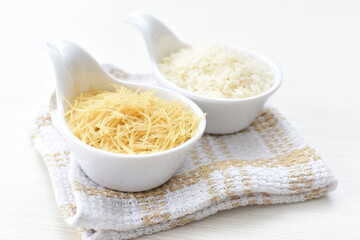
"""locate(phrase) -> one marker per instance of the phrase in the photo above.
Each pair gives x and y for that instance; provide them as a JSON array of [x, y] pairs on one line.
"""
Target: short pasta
[[131, 122]]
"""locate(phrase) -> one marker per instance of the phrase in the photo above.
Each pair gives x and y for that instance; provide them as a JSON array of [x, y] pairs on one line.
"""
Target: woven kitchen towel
[[268, 163]]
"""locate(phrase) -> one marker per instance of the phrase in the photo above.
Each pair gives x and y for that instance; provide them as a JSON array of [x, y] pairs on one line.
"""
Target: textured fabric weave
[[268, 163]]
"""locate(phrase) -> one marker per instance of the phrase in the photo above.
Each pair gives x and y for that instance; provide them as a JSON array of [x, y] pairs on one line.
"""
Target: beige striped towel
[[268, 163]]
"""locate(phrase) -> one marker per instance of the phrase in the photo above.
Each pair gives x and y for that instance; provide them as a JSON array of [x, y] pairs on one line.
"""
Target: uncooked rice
[[217, 71]]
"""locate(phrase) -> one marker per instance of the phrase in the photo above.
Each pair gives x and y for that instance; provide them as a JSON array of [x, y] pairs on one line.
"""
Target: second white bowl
[[228, 115], [222, 115]]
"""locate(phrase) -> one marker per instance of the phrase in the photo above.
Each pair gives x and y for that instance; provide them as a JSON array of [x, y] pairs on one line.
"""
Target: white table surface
[[316, 44]]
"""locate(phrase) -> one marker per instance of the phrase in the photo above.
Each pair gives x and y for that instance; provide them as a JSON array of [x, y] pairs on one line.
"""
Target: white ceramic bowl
[[222, 115], [228, 115], [76, 72]]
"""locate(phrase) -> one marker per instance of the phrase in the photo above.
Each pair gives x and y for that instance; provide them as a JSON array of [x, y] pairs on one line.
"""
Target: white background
[[315, 43]]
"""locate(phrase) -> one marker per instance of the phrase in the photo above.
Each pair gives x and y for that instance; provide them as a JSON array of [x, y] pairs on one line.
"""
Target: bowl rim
[[277, 78]]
